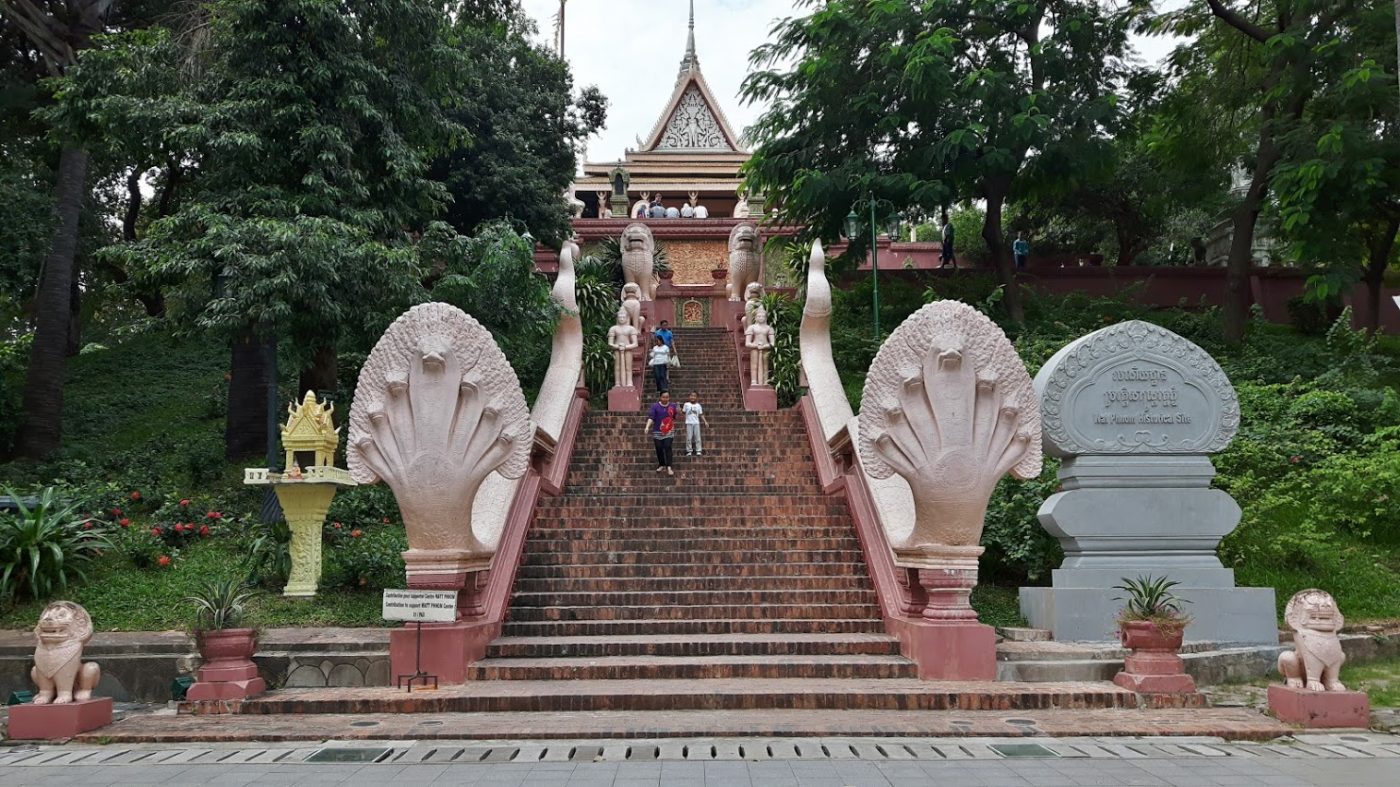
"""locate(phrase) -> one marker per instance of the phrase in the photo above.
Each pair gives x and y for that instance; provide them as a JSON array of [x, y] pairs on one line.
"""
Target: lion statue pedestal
[[1312, 694], [63, 705]]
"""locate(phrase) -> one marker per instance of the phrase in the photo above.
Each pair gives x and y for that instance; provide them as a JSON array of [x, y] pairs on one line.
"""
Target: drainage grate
[[358, 755], [1018, 751]]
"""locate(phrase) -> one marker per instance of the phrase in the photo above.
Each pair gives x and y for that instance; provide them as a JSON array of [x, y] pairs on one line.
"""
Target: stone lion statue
[[638, 259], [59, 671], [1317, 657], [744, 260]]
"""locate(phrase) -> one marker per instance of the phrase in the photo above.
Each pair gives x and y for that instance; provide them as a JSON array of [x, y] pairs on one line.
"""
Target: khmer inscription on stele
[[1135, 388]]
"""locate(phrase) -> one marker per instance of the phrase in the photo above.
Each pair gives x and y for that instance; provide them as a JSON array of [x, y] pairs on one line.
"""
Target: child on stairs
[[694, 414]]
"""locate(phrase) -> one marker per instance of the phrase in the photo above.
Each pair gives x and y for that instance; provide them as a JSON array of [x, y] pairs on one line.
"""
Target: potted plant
[[1151, 618], [1152, 625], [227, 649]]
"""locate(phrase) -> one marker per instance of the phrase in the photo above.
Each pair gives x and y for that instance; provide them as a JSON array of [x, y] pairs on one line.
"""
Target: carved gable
[[693, 126]]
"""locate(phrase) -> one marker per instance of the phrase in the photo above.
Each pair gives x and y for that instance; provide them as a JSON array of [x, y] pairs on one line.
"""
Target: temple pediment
[[692, 121]]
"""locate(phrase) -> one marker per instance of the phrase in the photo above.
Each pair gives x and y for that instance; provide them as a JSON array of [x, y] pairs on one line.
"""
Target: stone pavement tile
[[776, 774]]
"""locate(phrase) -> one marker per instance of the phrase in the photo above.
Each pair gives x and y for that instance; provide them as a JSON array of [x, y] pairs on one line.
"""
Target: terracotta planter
[[668, 275], [227, 645], [1154, 667], [720, 274], [228, 672], [1147, 635]]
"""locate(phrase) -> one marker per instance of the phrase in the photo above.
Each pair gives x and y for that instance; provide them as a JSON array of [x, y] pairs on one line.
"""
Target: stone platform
[[1227, 723]]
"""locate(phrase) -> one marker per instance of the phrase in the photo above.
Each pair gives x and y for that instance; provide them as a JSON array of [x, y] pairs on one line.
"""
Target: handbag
[[675, 361]]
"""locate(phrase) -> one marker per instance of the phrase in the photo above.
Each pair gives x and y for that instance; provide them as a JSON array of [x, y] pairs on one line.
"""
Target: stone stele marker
[[1134, 411]]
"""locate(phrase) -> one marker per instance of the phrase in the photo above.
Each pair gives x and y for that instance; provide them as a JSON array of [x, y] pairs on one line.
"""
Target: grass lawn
[[1379, 679]]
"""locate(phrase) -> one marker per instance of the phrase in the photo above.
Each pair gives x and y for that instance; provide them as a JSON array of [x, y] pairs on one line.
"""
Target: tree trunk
[[1374, 275], [42, 430], [319, 374], [991, 233], [75, 310], [245, 425]]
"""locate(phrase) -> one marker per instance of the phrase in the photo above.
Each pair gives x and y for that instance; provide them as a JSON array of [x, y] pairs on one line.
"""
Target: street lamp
[[892, 227]]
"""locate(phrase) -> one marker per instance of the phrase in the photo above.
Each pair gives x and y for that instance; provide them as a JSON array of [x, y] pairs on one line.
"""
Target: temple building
[[690, 161], [691, 156]]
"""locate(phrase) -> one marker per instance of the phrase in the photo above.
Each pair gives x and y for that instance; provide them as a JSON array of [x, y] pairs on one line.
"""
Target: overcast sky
[[631, 49]]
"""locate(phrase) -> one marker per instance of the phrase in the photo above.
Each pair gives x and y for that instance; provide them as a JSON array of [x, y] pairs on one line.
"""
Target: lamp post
[[853, 227]]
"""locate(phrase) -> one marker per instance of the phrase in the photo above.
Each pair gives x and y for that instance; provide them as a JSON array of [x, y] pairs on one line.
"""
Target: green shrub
[[1018, 548], [268, 547], [46, 545], [369, 557]]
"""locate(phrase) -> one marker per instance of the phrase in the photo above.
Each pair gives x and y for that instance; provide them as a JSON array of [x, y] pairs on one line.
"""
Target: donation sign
[[422, 606]]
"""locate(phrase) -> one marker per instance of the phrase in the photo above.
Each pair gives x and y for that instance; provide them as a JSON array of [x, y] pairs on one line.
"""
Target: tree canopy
[[922, 105]]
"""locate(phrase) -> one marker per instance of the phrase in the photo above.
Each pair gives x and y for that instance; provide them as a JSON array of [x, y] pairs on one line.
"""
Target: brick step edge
[[1235, 724]]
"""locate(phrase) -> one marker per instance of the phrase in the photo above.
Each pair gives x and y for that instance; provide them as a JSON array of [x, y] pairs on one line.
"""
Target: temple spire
[[691, 62]]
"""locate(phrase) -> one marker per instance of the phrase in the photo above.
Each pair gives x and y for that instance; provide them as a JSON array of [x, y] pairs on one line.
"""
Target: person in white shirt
[[694, 414], [660, 358]]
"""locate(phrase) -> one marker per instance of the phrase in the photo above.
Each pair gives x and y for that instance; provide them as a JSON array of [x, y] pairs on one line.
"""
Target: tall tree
[[1287, 38], [1337, 183], [309, 128], [523, 127], [59, 31], [930, 103]]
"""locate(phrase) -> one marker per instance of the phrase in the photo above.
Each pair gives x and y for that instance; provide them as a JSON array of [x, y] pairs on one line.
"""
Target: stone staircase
[[728, 599], [732, 577], [708, 366]]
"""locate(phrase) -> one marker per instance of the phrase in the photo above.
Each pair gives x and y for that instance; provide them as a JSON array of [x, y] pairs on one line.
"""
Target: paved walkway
[[1340, 759]]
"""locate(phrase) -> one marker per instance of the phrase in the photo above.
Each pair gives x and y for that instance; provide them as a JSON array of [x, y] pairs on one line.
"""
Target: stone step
[[696, 645], [696, 694], [694, 508], [754, 557], [728, 546], [688, 570], [685, 598], [693, 668], [647, 527], [601, 628], [695, 612], [672, 584]]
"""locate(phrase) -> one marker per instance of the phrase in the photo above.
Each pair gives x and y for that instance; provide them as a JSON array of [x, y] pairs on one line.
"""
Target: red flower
[[386, 520], [185, 503], [116, 512], [87, 525], [204, 530], [336, 525], [356, 533], [157, 532], [163, 561], [135, 495], [124, 522], [214, 515]]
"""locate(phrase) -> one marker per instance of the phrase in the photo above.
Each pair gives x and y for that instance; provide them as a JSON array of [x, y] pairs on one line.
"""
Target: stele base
[[624, 400], [950, 651], [30, 722], [226, 681], [448, 649], [760, 398], [1320, 709], [1155, 672]]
